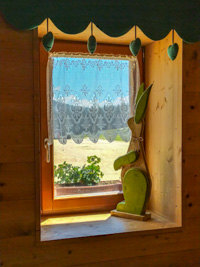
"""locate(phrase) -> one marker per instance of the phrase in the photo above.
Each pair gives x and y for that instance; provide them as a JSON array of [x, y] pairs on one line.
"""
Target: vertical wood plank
[[17, 205], [37, 141], [191, 129], [18, 218], [17, 181], [164, 128]]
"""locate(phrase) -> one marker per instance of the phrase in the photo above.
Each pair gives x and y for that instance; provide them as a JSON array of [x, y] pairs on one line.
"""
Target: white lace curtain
[[90, 96]]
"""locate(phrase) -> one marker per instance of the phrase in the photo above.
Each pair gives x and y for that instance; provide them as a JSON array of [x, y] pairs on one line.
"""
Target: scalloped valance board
[[115, 18]]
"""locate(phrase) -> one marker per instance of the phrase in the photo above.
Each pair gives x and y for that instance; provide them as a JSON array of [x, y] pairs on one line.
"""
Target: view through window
[[91, 105]]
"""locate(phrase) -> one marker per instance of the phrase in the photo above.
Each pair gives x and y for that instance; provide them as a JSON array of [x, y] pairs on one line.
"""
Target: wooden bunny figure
[[135, 175]]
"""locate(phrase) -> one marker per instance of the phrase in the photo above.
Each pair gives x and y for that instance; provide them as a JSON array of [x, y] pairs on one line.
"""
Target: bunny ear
[[140, 92], [48, 41], [142, 105]]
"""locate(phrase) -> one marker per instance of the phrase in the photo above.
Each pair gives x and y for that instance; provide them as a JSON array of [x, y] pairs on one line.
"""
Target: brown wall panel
[[191, 65], [16, 95], [191, 130], [102, 249], [17, 181], [182, 258], [17, 67], [17, 178], [18, 218], [16, 143], [12, 39]]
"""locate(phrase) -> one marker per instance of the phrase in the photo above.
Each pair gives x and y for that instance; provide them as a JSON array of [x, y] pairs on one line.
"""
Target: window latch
[[47, 147]]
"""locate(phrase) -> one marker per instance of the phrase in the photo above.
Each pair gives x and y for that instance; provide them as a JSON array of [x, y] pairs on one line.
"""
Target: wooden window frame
[[49, 204]]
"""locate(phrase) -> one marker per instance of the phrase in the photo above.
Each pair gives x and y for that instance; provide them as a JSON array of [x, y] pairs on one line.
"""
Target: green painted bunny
[[135, 175]]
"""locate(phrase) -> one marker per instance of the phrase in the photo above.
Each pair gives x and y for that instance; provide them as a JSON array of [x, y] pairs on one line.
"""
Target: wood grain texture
[[191, 130], [191, 107], [191, 65], [14, 39], [18, 218], [16, 143], [17, 181], [100, 249], [98, 224], [16, 112], [176, 259], [16, 69], [164, 127], [191, 186], [37, 133], [16, 105], [17, 205]]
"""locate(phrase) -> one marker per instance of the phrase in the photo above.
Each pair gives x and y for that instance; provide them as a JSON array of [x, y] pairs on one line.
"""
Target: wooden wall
[[17, 163], [19, 245], [164, 128]]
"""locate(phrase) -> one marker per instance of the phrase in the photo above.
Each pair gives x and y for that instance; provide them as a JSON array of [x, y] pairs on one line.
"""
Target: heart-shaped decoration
[[135, 46], [91, 44], [48, 41], [135, 190], [172, 51]]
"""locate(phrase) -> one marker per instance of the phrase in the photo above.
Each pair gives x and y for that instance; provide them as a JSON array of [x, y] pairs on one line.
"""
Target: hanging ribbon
[[48, 39], [172, 50], [135, 45], [91, 43]]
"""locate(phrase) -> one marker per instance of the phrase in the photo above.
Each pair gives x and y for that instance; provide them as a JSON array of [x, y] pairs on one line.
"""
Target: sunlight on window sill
[[97, 224], [75, 219]]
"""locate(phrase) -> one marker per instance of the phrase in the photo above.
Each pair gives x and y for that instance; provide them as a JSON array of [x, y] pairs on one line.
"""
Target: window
[[88, 100], [163, 135]]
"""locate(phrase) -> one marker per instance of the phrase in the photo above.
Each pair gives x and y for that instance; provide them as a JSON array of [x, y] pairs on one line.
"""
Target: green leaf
[[142, 105], [140, 92]]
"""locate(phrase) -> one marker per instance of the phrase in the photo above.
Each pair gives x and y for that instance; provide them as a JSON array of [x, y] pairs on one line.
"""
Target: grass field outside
[[76, 154]]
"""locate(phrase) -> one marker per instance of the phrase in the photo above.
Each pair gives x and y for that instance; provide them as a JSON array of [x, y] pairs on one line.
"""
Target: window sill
[[98, 224], [111, 193]]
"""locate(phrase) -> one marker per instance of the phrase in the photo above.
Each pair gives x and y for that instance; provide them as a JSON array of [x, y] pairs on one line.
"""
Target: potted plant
[[71, 180]]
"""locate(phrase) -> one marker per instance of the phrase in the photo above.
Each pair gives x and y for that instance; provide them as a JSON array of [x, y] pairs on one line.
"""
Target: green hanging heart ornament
[[172, 51], [48, 41], [91, 44], [135, 46]]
